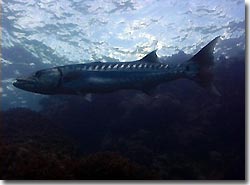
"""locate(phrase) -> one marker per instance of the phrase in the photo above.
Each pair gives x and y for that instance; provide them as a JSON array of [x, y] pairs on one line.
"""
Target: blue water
[[182, 132], [40, 34]]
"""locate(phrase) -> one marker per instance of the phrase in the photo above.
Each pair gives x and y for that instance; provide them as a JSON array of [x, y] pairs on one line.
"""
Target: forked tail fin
[[199, 67]]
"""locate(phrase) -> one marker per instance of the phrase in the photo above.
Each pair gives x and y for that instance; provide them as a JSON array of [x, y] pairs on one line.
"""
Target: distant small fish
[[144, 74]]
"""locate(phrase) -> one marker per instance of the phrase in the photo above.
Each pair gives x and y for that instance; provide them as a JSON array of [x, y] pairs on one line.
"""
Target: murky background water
[[180, 133]]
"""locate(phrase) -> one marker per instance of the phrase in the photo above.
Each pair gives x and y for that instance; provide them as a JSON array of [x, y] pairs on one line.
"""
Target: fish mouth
[[22, 82]]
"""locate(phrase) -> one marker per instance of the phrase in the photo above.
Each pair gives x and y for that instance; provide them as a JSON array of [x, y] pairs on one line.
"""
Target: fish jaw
[[27, 84]]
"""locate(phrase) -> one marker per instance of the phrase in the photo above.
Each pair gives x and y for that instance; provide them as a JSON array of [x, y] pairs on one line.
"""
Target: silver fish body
[[99, 77]]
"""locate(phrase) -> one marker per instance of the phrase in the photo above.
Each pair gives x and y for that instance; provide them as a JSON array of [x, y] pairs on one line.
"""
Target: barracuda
[[99, 77]]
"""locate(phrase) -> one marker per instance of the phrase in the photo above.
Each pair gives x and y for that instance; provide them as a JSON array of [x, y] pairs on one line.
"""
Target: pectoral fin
[[87, 97]]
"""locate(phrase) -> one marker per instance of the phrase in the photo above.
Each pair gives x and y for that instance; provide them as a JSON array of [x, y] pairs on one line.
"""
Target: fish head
[[44, 81]]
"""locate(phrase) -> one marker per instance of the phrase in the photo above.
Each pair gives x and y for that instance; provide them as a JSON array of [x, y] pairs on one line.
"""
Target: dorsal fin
[[151, 57], [204, 61], [204, 57]]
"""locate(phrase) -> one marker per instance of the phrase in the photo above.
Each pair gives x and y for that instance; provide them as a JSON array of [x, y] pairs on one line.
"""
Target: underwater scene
[[122, 90]]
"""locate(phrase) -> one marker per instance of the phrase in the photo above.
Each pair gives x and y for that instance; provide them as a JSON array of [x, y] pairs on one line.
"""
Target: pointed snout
[[24, 83]]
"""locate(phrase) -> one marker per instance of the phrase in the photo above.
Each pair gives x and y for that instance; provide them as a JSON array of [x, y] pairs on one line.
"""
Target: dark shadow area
[[180, 133]]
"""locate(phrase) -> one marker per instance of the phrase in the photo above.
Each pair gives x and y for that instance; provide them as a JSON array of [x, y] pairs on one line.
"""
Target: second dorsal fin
[[151, 57]]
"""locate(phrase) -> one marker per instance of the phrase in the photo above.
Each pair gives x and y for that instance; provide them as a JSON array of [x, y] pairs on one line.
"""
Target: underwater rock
[[24, 162], [24, 126], [112, 166]]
